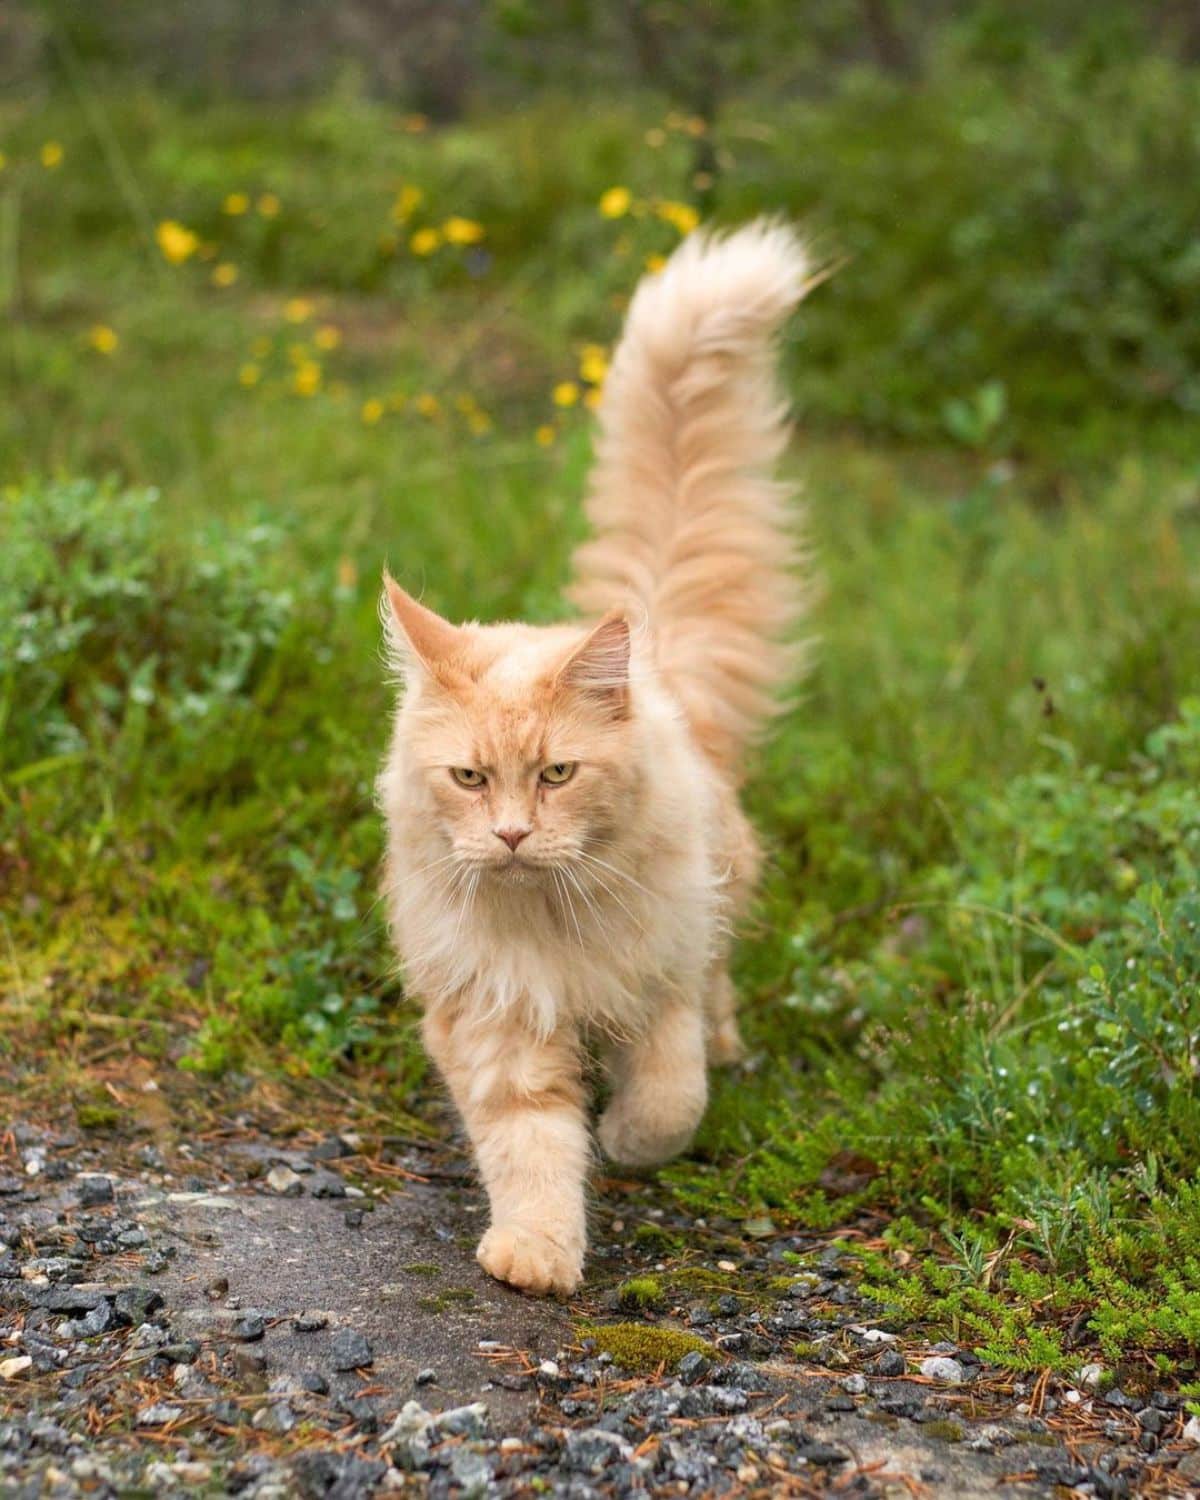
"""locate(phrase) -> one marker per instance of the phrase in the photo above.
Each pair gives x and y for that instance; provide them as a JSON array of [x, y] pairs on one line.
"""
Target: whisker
[[569, 874], [613, 870], [468, 899], [612, 896], [560, 885]]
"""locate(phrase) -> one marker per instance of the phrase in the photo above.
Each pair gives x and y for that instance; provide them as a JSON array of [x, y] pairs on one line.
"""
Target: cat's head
[[521, 736]]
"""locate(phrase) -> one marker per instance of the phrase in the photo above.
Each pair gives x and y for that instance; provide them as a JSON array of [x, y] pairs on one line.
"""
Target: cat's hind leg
[[660, 1088], [724, 1039]]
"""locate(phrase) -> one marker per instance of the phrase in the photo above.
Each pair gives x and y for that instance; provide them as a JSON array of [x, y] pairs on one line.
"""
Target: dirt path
[[305, 1318]]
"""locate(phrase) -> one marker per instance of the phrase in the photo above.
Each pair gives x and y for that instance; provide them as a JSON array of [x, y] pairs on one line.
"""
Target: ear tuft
[[600, 664], [419, 633]]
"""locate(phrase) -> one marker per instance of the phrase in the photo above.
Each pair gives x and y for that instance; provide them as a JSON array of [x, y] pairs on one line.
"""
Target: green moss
[[699, 1279], [448, 1297], [98, 1116], [422, 1268], [805, 1350], [638, 1347], [655, 1237], [948, 1432], [641, 1291]]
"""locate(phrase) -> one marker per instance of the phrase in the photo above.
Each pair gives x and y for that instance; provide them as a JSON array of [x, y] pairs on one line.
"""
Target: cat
[[566, 852]]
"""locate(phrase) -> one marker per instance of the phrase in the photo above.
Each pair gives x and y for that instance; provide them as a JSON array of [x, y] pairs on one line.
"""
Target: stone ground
[[304, 1316]]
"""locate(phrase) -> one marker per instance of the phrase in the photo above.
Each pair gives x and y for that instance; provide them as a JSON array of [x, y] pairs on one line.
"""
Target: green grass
[[970, 984]]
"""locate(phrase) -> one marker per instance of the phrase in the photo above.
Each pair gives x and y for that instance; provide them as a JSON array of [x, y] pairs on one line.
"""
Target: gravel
[[224, 1345]]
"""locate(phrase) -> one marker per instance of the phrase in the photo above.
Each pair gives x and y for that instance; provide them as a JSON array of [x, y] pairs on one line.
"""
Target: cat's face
[[522, 737]]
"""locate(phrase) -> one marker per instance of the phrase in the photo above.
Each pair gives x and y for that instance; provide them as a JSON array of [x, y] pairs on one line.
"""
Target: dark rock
[[182, 1352], [354, 1218], [134, 1304], [73, 1299], [94, 1191], [890, 1362], [332, 1148], [350, 1350], [1150, 1419], [249, 1329], [822, 1454], [426, 1377], [329, 1187], [337, 1476], [217, 1288], [314, 1381], [693, 1367], [98, 1320], [310, 1322]]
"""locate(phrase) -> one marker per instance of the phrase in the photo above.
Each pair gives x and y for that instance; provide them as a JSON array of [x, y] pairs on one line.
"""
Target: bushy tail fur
[[689, 525]]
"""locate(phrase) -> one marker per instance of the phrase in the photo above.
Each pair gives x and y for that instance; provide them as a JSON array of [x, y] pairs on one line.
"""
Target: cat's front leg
[[521, 1098]]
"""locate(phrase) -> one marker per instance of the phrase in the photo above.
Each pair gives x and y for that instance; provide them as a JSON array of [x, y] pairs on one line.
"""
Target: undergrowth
[[970, 984]]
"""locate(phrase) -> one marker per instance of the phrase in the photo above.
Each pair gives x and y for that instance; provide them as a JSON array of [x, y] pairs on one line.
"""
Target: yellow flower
[[235, 204], [103, 339], [565, 393], [460, 231], [544, 436], [593, 364], [428, 405], [3, 161], [372, 411], [479, 422], [682, 216], [696, 125], [297, 309], [224, 274], [655, 137], [425, 242], [52, 155], [176, 243], [307, 379], [592, 398], [616, 202], [415, 124], [327, 336], [249, 375], [268, 205], [655, 263], [408, 200], [298, 353]]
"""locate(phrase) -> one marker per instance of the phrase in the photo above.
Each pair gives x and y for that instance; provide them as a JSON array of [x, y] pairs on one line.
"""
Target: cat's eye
[[556, 774], [467, 777]]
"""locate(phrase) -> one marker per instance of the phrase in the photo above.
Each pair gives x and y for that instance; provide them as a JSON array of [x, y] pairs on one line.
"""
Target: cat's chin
[[517, 872]]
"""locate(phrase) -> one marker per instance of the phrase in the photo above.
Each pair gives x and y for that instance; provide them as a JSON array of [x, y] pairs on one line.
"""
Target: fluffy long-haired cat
[[566, 852]]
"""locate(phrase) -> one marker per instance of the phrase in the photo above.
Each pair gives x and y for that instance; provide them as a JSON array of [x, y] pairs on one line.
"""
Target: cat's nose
[[512, 836]]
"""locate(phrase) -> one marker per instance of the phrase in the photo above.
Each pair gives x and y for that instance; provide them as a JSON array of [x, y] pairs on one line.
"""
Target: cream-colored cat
[[566, 852]]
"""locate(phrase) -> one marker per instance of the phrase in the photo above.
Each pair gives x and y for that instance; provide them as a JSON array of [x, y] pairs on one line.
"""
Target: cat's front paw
[[531, 1259]]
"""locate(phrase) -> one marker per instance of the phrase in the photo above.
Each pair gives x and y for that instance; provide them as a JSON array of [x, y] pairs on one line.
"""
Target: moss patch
[[637, 1347], [440, 1301], [641, 1291]]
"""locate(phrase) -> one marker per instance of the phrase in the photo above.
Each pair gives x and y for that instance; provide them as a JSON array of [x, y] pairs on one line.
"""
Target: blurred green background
[[292, 291]]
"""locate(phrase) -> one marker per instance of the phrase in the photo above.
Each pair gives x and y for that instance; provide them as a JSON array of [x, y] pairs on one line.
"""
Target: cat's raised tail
[[690, 527]]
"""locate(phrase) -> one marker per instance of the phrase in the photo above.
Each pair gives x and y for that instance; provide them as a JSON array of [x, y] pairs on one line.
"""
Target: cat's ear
[[599, 665], [417, 634]]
